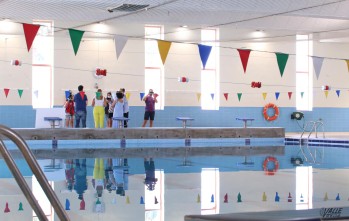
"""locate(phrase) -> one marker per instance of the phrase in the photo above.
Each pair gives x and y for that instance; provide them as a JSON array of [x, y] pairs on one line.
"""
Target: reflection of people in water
[[109, 176], [98, 180], [150, 179], [120, 172], [80, 184], [69, 173]]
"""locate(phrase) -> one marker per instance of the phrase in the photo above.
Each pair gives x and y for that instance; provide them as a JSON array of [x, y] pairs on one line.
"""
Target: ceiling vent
[[127, 8]]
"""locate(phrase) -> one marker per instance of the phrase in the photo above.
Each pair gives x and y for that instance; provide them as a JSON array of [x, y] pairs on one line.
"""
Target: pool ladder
[[34, 166], [306, 150]]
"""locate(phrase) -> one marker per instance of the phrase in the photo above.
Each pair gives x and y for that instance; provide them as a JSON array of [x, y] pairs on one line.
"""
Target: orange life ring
[[265, 112], [273, 170]]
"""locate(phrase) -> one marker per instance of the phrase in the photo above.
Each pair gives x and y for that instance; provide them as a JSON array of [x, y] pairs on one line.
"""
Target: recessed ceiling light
[[184, 26]]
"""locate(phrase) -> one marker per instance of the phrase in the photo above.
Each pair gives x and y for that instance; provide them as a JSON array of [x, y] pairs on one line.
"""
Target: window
[[154, 71], [304, 187], [42, 71], [155, 211], [210, 191], [210, 77], [304, 77]]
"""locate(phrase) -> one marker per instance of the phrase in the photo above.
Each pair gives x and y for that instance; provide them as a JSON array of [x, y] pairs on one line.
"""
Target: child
[[69, 111]]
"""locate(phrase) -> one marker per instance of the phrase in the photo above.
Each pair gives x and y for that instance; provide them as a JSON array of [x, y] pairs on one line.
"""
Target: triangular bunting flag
[[326, 197], [20, 206], [212, 96], [264, 197], [141, 200], [141, 95], [164, 47], [244, 55], [239, 96], [226, 198], [277, 94], [264, 95], [7, 209], [67, 204], [198, 199], [326, 93], [282, 60], [338, 92], [204, 51], [302, 93], [198, 96], [6, 90], [226, 96], [289, 95], [36, 93], [20, 92], [239, 198], [30, 32], [347, 61], [82, 204], [75, 37], [128, 200], [120, 42], [317, 62], [128, 95], [212, 198], [67, 93]]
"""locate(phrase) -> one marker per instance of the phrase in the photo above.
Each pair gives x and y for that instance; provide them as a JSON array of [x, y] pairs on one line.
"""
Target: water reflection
[[168, 188]]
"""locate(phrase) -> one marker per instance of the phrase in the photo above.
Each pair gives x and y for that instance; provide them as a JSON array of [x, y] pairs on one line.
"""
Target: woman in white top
[[118, 106], [98, 109]]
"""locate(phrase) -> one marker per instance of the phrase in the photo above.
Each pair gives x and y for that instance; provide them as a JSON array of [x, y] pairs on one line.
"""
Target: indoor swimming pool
[[168, 179]]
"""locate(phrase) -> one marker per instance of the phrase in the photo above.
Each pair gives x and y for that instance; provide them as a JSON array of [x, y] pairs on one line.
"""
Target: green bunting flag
[[239, 96], [282, 60], [75, 37], [20, 92]]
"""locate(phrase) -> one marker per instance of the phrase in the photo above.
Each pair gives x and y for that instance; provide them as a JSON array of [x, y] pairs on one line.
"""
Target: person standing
[[108, 109], [150, 180], [126, 107], [118, 106], [80, 100], [150, 101], [98, 109], [69, 110]]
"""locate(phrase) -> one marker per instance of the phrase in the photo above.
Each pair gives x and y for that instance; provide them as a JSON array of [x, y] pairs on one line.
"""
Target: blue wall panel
[[334, 119]]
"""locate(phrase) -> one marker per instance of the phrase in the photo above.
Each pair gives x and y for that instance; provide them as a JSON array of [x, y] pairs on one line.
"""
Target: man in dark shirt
[[80, 100]]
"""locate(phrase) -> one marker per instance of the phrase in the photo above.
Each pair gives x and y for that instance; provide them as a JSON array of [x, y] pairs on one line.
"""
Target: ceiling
[[328, 20]]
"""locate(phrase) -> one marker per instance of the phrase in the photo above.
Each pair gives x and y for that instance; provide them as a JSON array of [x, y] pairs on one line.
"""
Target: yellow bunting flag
[[264, 197], [326, 197], [198, 199], [198, 96], [264, 95], [347, 64], [128, 95], [128, 200], [326, 93], [164, 47]]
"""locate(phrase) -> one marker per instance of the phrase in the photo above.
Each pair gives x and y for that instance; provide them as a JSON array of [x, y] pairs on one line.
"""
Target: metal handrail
[[39, 174]]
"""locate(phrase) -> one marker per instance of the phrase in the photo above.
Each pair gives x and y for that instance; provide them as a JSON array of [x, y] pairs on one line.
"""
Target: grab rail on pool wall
[[34, 166]]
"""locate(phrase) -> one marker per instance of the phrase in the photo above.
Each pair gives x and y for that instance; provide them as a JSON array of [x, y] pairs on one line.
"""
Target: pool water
[[186, 184]]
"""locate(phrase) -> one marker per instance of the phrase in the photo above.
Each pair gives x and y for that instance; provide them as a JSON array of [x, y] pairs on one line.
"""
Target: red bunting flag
[[6, 90], [289, 95], [226, 96], [244, 55], [30, 32]]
